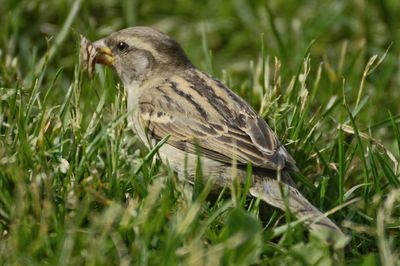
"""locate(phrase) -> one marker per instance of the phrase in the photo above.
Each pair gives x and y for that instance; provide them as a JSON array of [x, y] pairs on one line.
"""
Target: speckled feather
[[200, 112], [168, 96]]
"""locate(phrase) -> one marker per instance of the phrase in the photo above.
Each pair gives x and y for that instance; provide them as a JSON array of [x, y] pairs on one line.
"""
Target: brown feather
[[211, 118]]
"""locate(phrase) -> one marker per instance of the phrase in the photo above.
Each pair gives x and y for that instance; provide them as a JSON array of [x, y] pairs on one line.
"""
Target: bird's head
[[137, 53]]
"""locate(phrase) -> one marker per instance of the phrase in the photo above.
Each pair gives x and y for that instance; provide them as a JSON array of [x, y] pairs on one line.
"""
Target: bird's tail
[[283, 196]]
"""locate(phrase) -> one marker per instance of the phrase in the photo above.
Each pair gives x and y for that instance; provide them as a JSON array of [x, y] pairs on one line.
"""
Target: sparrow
[[168, 96]]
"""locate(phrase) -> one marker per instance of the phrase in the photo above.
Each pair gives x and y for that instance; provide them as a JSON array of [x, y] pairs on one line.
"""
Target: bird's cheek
[[140, 65]]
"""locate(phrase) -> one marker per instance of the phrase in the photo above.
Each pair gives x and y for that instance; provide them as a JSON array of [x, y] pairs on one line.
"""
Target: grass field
[[77, 188]]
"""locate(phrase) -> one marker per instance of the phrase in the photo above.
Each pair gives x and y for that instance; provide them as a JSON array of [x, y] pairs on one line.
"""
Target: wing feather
[[200, 114]]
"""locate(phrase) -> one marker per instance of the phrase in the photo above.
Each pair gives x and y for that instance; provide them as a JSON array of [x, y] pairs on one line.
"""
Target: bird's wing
[[201, 115]]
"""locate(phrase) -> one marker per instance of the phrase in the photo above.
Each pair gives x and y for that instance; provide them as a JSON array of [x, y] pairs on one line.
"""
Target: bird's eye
[[122, 46]]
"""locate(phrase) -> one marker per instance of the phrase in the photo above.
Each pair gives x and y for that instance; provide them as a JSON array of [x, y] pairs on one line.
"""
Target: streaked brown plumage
[[167, 95]]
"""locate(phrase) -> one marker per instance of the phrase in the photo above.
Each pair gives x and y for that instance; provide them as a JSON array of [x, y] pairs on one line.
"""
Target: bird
[[168, 97]]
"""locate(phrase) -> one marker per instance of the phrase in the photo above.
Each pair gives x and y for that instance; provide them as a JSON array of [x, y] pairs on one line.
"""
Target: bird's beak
[[104, 54]]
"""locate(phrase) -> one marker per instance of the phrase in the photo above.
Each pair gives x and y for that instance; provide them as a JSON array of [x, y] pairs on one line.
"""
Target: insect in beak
[[92, 53]]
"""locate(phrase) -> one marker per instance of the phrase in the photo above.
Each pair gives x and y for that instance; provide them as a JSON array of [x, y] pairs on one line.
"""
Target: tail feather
[[271, 190]]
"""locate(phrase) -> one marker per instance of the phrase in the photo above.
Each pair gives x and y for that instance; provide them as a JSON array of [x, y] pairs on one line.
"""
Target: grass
[[76, 186]]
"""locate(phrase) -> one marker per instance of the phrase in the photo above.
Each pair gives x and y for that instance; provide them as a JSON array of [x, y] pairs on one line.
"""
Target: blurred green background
[[71, 191], [233, 31]]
